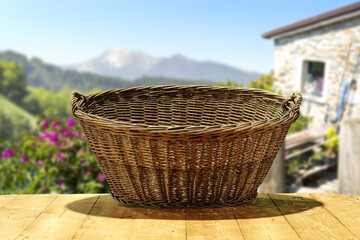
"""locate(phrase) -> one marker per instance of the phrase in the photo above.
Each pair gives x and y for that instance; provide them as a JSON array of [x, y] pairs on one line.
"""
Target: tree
[[12, 81], [229, 83], [266, 82], [12, 126]]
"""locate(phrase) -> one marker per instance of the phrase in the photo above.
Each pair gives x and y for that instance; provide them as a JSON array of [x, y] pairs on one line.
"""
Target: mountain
[[120, 62], [51, 77], [14, 120]]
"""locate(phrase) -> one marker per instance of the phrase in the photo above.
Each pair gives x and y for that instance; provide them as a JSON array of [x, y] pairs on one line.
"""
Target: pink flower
[[83, 136], [73, 134], [60, 183], [24, 158], [38, 163], [101, 177], [54, 138], [83, 161], [70, 122], [8, 153], [50, 136], [60, 156], [45, 135], [45, 123], [65, 130], [55, 124], [87, 171]]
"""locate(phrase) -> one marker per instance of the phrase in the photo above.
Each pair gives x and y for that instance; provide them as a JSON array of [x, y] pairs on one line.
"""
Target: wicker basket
[[185, 146]]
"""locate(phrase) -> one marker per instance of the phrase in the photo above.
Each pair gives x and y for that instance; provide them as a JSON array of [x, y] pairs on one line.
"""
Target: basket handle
[[295, 107], [75, 98]]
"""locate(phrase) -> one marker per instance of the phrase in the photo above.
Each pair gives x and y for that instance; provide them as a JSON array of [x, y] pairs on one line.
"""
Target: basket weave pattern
[[185, 146]]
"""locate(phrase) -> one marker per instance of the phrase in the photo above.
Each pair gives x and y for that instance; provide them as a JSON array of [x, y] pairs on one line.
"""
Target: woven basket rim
[[255, 126]]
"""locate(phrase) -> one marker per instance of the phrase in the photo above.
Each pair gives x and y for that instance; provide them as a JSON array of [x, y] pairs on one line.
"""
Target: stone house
[[318, 56]]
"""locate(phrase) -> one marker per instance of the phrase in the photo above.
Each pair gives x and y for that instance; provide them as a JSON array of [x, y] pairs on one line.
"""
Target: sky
[[68, 31]]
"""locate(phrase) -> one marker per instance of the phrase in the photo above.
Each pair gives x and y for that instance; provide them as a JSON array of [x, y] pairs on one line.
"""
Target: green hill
[[51, 77], [14, 120]]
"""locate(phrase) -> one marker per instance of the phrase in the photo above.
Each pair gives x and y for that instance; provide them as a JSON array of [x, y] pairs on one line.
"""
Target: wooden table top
[[98, 216]]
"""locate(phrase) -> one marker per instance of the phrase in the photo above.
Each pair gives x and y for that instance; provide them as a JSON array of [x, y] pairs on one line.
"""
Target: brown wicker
[[185, 146]]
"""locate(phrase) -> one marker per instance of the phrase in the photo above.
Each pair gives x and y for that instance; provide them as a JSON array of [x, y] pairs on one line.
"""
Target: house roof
[[321, 20]]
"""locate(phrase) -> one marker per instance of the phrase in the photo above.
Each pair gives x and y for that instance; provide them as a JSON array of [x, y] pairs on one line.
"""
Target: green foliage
[[15, 120], [265, 82], [54, 103], [301, 124], [330, 134], [164, 80], [7, 127], [40, 74], [57, 161], [12, 81], [332, 147], [229, 83], [31, 104]]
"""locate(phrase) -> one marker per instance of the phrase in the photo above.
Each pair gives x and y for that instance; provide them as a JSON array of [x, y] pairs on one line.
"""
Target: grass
[[16, 113]]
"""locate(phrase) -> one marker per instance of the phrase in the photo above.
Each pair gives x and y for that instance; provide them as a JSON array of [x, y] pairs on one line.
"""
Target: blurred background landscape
[[48, 50]]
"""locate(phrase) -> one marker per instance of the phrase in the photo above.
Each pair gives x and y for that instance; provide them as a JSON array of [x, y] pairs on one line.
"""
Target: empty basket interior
[[192, 107]]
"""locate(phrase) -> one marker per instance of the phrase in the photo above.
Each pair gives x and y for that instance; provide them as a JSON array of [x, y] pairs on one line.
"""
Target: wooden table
[[98, 216]]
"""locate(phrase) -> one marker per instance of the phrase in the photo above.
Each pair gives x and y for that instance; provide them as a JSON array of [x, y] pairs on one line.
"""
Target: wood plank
[[59, 221], [293, 216], [263, 220], [212, 223], [164, 224], [20, 212], [4, 199], [309, 218], [345, 208], [108, 220]]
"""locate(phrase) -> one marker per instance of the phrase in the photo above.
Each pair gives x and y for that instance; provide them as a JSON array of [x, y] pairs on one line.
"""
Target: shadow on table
[[278, 204]]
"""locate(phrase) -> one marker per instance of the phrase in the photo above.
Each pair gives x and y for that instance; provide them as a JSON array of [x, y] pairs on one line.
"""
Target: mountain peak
[[120, 57], [121, 62], [179, 56]]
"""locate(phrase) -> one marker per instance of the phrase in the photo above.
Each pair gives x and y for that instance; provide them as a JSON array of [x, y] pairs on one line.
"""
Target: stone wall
[[338, 46]]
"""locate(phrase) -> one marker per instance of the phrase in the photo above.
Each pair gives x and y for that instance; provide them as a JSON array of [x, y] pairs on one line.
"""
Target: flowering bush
[[59, 160]]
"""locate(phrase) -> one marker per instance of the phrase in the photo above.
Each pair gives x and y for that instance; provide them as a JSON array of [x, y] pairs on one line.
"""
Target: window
[[313, 78]]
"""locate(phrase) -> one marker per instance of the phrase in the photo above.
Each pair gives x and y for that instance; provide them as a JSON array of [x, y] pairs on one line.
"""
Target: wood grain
[[164, 224], [344, 208], [18, 213], [4, 199], [309, 218], [108, 220], [94, 216], [58, 222], [263, 220], [218, 223]]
